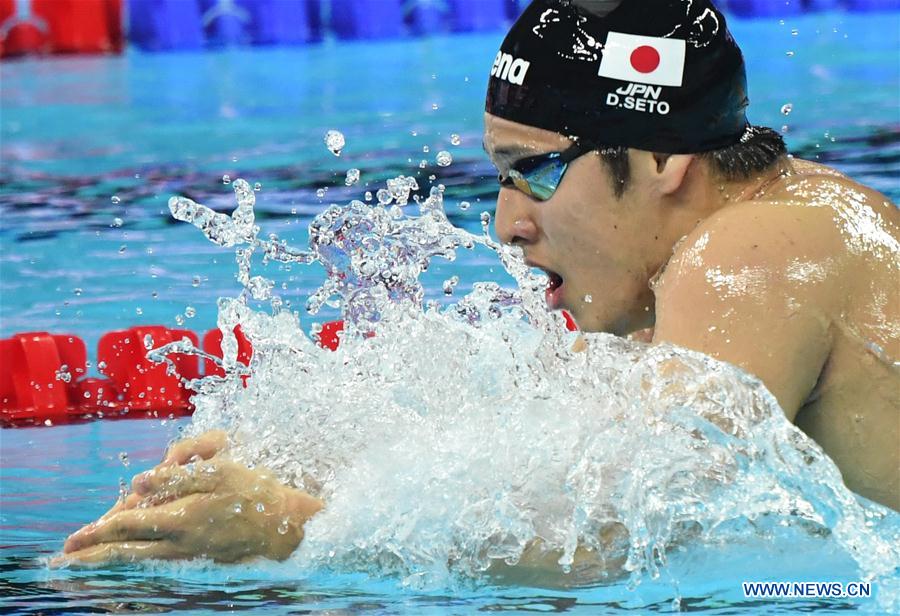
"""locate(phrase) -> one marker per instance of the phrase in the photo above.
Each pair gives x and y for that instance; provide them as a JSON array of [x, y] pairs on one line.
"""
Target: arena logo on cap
[[643, 59], [510, 69]]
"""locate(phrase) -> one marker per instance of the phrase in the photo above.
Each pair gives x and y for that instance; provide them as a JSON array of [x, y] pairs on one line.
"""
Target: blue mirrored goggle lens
[[541, 181]]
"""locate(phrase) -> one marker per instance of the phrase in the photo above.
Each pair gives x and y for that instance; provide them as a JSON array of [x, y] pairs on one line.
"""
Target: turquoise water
[[76, 132], [54, 479]]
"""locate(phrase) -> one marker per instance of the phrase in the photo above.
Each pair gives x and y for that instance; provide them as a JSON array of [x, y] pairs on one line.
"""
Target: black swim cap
[[663, 75]]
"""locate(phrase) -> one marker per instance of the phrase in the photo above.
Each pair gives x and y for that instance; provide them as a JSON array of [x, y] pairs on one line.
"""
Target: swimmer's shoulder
[[817, 185], [809, 216], [768, 241], [736, 289]]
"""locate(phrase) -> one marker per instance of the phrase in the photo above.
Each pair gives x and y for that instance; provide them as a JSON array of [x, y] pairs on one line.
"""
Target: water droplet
[[383, 196], [257, 187], [352, 177], [588, 299], [425, 149], [794, 31], [334, 141], [237, 508], [190, 312], [179, 319], [443, 158], [260, 507], [77, 291], [226, 179], [368, 195], [87, 394], [789, 54], [283, 527], [47, 422], [101, 365], [117, 222], [450, 284], [464, 205], [115, 199], [423, 163], [454, 139], [148, 341], [122, 249], [123, 458], [787, 108], [434, 106], [320, 193], [195, 281], [784, 128]]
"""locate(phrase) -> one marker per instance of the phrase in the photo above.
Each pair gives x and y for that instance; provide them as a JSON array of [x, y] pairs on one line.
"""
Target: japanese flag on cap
[[643, 59]]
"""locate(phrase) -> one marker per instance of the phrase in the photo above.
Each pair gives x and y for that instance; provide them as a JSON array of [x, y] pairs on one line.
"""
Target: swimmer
[[629, 174]]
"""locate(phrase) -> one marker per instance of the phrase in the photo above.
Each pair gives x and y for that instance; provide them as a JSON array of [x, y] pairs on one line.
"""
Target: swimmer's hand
[[215, 508], [204, 446], [184, 451]]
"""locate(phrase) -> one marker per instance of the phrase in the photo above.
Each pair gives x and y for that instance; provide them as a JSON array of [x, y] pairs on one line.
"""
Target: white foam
[[458, 436]]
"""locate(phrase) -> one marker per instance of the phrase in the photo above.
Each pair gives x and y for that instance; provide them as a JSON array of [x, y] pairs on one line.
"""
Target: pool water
[[92, 148]]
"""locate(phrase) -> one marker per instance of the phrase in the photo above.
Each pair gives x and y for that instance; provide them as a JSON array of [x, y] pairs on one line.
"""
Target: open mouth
[[553, 293]]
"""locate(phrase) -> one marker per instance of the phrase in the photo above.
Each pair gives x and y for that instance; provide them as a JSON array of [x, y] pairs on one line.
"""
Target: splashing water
[[458, 437], [334, 141]]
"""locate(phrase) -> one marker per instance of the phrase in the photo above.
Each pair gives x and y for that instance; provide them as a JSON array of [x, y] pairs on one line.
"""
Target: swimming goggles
[[539, 176]]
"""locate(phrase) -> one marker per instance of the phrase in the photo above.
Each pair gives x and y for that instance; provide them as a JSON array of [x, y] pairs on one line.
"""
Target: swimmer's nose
[[513, 222]]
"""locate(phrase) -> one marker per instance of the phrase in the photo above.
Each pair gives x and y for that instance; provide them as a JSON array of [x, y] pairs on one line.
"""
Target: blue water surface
[[93, 147]]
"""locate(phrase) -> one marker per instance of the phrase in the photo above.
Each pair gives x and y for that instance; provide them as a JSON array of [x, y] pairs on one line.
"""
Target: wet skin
[[196, 503], [791, 275]]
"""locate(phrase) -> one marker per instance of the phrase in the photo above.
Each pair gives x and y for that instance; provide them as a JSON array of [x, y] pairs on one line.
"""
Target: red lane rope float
[[60, 26], [329, 336], [571, 325], [30, 383], [138, 383], [42, 375]]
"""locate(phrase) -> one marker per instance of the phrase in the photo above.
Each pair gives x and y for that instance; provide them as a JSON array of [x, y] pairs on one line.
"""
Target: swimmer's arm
[[540, 567], [725, 294]]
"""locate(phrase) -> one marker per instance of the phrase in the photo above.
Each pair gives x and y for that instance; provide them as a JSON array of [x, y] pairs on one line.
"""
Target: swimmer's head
[[663, 76]]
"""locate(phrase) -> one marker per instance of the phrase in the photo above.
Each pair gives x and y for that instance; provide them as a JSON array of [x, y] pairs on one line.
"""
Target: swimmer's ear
[[671, 170]]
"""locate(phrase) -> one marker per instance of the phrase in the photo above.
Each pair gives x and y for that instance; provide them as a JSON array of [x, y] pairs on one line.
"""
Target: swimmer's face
[[599, 250]]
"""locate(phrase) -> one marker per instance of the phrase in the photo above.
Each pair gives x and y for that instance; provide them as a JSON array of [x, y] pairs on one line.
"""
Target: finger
[[204, 446], [120, 552], [170, 482], [130, 501], [126, 525]]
